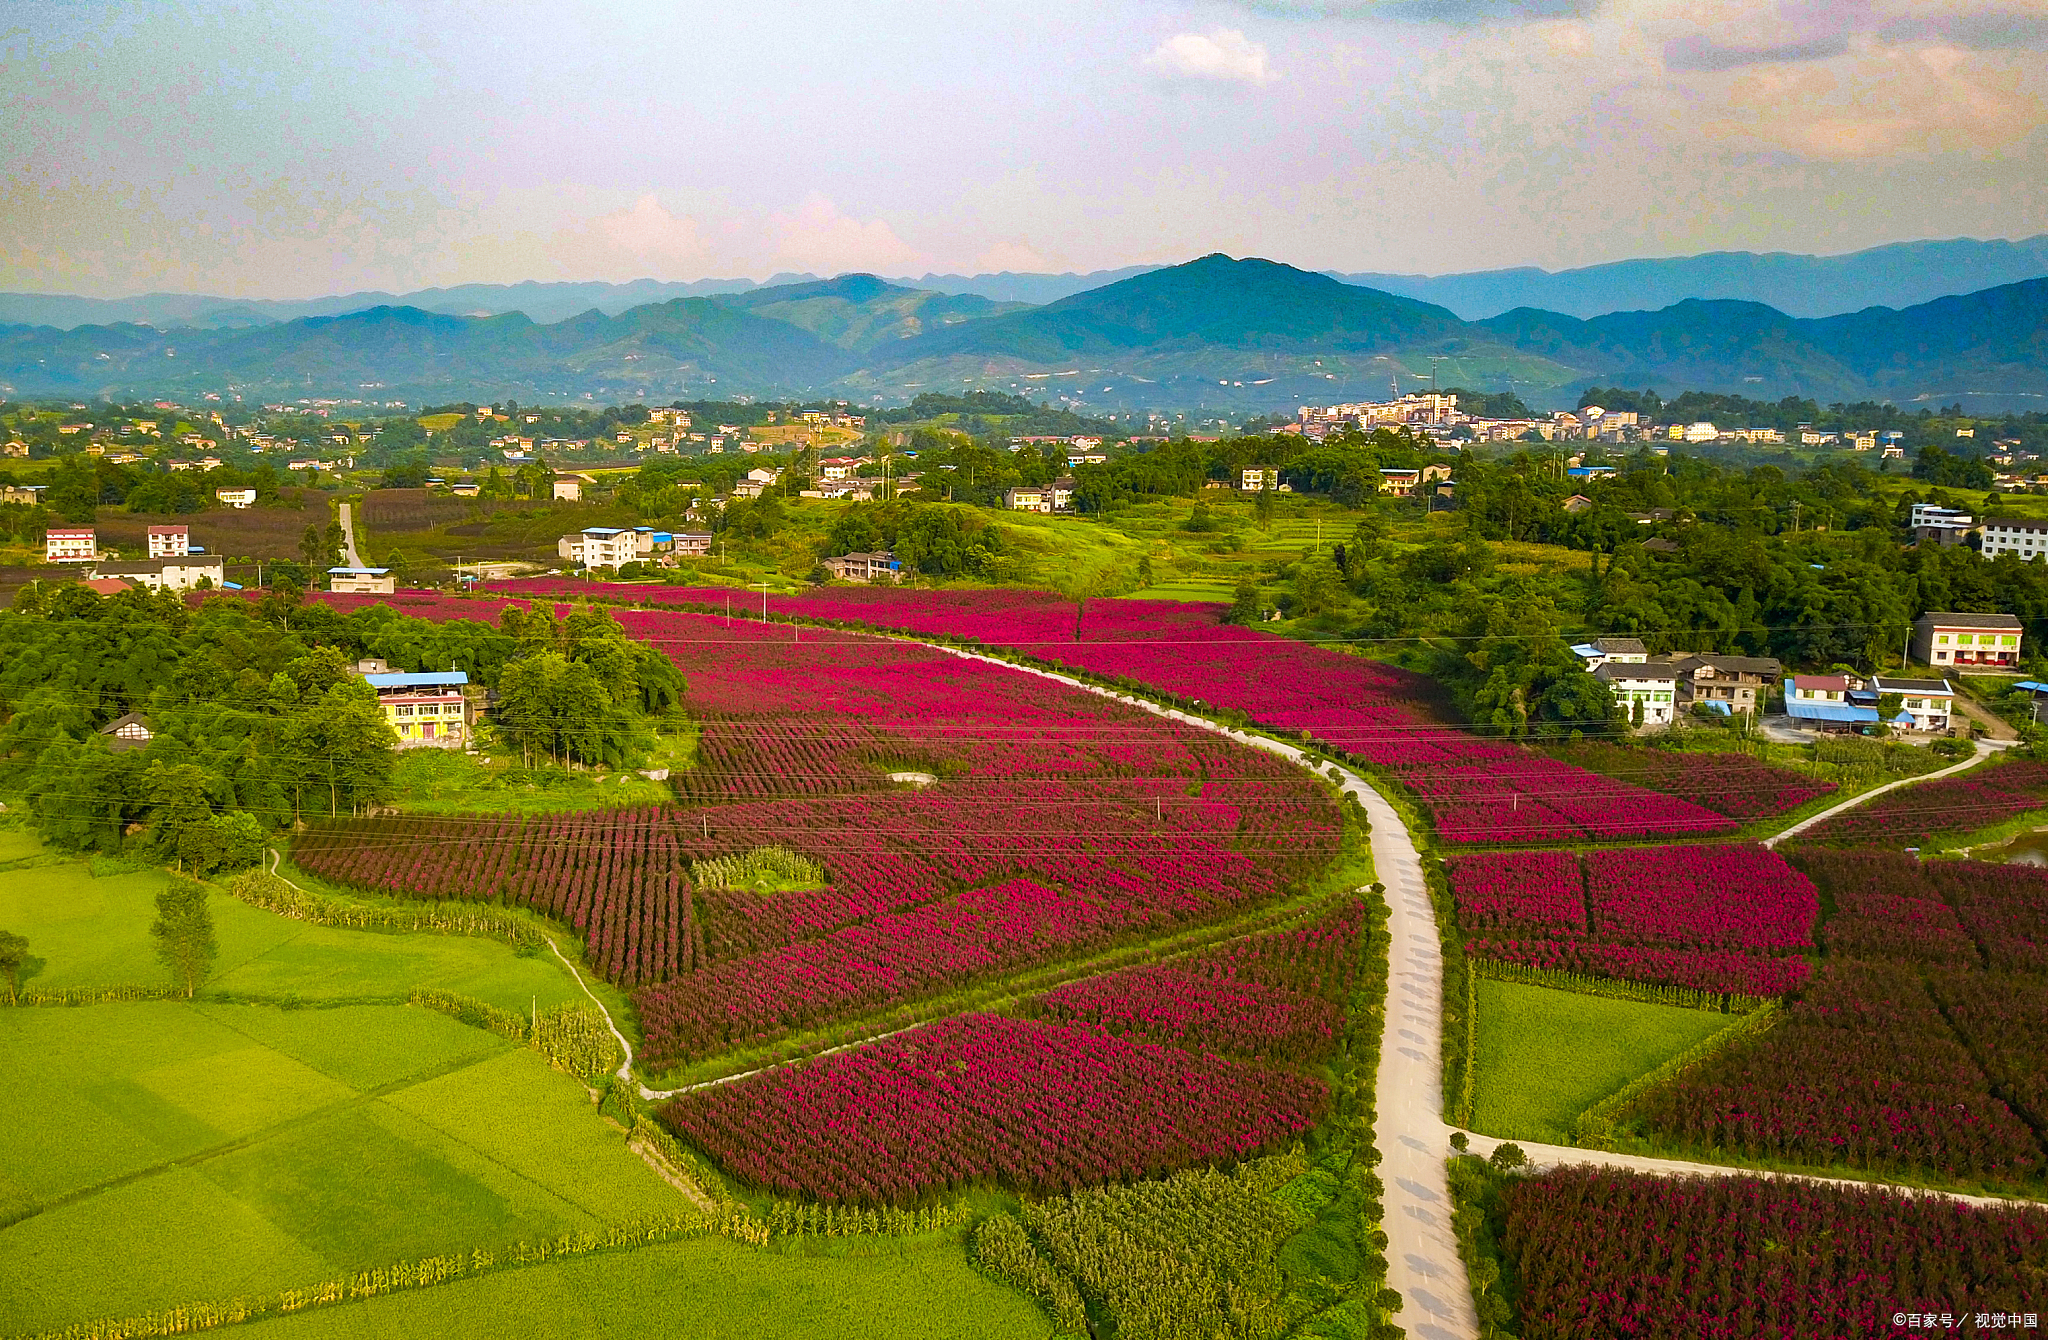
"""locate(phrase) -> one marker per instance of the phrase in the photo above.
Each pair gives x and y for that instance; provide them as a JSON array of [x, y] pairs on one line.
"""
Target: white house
[[1253, 479], [166, 574], [235, 498], [69, 546], [1930, 702], [2014, 535], [1648, 686], [568, 488], [1942, 640], [1603, 650], [361, 581], [170, 541], [600, 547]]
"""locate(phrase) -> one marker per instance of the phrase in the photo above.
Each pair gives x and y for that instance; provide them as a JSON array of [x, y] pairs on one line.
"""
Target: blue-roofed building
[[1834, 703], [426, 709]]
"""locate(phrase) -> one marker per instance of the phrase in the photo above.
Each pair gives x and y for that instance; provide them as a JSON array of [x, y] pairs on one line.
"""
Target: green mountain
[[1215, 333], [859, 311], [686, 347]]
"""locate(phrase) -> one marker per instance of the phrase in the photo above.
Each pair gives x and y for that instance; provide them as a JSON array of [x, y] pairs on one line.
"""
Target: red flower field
[[1598, 1254], [1034, 1106]]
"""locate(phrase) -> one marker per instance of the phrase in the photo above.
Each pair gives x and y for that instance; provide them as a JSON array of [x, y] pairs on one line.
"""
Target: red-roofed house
[[170, 541]]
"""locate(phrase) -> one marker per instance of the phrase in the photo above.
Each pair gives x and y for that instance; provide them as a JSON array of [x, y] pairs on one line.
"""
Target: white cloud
[[1221, 55], [1018, 257], [815, 236], [647, 231]]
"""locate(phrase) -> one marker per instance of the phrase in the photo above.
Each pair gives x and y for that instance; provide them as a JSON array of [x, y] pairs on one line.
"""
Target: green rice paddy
[[1545, 1056]]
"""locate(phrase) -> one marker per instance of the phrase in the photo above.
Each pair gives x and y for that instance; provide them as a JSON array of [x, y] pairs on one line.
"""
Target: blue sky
[[276, 150]]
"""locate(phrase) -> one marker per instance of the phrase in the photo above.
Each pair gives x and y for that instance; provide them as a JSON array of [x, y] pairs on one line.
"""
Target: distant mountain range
[[1899, 275], [1215, 333]]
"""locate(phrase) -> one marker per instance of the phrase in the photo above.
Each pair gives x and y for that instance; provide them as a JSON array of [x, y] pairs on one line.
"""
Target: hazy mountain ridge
[[1213, 333], [1897, 275], [1901, 274]]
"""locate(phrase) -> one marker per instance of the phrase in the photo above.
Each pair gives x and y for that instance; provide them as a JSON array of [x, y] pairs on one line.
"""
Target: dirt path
[[1993, 725], [348, 537], [1568, 1156], [1985, 748]]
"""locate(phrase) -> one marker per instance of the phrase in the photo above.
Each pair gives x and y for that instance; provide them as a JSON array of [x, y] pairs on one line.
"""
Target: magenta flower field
[[1914, 1050], [1726, 918], [1277, 997], [1044, 823], [1602, 1254], [1035, 1106], [1476, 790], [1915, 815]]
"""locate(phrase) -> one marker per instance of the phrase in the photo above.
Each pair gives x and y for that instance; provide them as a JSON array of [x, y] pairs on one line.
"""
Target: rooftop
[[428, 679], [1887, 684], [1657, 670], [2002, 622]]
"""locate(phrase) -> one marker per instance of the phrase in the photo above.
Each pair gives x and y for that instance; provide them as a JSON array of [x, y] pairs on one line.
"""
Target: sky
[[294, 150]]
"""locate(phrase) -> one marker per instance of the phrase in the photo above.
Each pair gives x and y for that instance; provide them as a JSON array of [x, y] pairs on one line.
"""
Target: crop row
[[1862, 1071], [983, 1099], [1736, 785], [1599, 1254], [613, 876], [1277, 996], [1721, 918], [1915, 815]]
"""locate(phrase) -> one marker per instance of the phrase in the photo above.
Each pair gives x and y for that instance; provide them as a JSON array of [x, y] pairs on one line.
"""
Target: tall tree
[[183, 932]]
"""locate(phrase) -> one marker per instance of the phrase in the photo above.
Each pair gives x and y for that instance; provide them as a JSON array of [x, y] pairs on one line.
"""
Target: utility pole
[[764, 599]]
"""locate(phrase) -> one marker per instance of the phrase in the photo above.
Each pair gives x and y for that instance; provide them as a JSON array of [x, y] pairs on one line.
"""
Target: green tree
[[183, 932], [13, 954], [1244, 602], [179, 806]]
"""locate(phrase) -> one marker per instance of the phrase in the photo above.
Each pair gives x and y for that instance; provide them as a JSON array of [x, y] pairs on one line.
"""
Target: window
[[401, 711]]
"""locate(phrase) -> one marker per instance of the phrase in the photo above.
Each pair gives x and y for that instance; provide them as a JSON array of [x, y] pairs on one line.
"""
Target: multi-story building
[[170, 541], [1648, 687], [425, 710], [2020, 535], [236, 498], [1929, 702], [600, 547], [1725, 684], [69, 546], [1944, 640], [1256, 478], [880, 566]]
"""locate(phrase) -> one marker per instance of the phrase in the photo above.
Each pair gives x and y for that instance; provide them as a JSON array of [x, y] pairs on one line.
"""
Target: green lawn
[[239, 1150], [445, 781], [91, 931], [704, 1290], [1545, 1056]]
